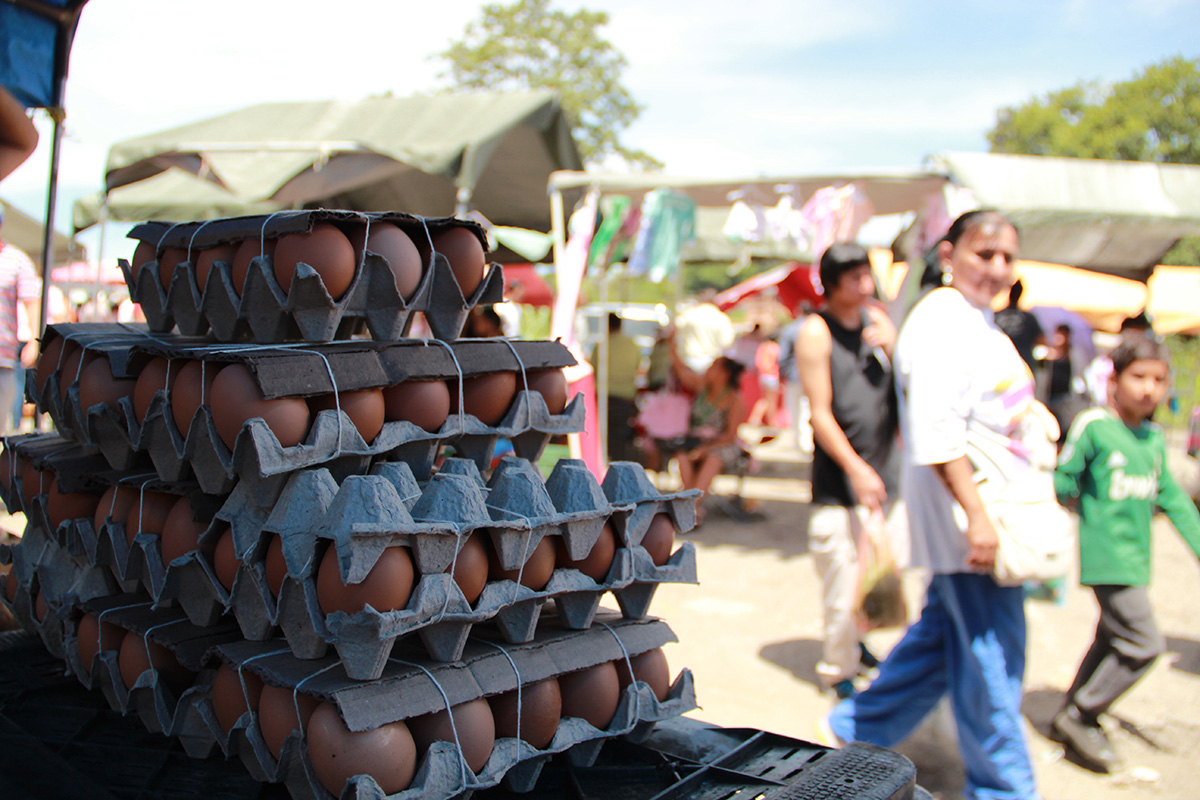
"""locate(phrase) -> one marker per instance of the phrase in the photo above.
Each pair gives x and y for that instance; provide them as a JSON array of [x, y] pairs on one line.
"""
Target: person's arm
[[1178, 507], [689, 380], [958, 476], [814, 345], [18, 136], [33, 312]]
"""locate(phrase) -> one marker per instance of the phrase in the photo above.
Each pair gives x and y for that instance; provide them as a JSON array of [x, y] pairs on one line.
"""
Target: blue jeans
[[970, 642]]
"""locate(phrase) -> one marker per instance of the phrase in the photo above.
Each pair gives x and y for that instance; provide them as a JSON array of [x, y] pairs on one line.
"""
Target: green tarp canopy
[[1118, 217], [430, 155], [28, 234]]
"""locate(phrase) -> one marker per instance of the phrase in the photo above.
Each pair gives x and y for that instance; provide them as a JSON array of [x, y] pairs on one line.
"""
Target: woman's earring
[[947, 276]]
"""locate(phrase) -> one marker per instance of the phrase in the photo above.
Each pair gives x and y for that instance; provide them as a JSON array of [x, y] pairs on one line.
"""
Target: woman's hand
[[981, 542], [867, 486]]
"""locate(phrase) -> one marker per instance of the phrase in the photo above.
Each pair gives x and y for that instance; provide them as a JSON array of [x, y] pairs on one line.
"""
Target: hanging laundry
[[746, 223], [614, 209], [834, 214], [668, 223], [569, 272]]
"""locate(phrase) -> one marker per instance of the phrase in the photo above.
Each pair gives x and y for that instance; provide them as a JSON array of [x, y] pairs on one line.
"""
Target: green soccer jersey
[[1119, 474]]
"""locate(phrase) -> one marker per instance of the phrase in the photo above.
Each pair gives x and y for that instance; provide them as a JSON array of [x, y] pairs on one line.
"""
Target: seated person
[[711, 445]]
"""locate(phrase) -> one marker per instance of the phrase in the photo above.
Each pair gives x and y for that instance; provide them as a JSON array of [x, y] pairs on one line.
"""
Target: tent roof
[[414, 154], [1110, 216], [26, 233]]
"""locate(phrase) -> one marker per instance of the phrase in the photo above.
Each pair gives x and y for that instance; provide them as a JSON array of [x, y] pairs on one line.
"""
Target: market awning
[[792, 283], [28, 234], [523, 285], [1118, 217]]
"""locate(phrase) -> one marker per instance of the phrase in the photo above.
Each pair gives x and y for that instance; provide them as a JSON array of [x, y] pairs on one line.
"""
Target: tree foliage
[[528, 45], [1154, 116]]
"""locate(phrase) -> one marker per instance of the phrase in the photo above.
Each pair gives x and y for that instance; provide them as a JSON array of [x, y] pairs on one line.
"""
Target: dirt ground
[[751, 634]]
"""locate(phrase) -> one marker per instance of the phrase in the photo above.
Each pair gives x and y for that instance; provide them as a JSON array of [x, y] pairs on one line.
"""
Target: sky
[[755, 87]]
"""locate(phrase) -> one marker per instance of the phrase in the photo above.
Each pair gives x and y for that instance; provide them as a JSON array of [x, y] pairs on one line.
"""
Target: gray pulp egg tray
[[366, 514], [266, 313], [181, 449], [412, 686]]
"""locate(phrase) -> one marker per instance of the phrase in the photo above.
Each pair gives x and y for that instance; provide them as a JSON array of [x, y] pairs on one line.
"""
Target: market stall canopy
[[1174, 305], [792, 283], [428, 155], [895, 192], [27, 233], [1118, 217], [35, 44]]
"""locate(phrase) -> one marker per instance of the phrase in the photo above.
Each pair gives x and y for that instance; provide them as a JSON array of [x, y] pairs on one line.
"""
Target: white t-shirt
[[963, 390]]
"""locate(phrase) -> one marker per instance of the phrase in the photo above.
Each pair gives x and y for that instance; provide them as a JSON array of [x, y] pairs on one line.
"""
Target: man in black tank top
[[844, 354]]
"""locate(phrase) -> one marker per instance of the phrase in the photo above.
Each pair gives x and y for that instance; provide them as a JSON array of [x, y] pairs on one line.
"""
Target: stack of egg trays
[[332, 439], [412, 686], [266, 313], [365, 514], [635, 504], [157, 705]]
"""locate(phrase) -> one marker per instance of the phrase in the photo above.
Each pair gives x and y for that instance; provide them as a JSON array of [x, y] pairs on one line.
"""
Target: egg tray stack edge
[[332, 438], [366, 514], [265, 313]]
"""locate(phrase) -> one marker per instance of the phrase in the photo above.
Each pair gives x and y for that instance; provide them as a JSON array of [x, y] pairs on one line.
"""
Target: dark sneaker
[[868, 659], [844, 689], [1086, 739]]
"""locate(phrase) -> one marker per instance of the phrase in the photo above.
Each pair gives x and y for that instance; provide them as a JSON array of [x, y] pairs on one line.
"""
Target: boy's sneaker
[[1086, 739], [844, 689], [868, 663]]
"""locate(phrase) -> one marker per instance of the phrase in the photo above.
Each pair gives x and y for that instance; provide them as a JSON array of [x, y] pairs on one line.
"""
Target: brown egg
[[402, 256], [209, 256], [153, 378], [31, 484], [537, 571], [277, 715], [486, 397], [649, 667], [133, 660], [276, 566], [11, 584], [228, 697], [326, 249], [541, 708], [97, 385], [659, 538], [75, 361], [247, 251], [62, 506], [115, 502], [387, 587], [48, 361], [387, 753], [596, 563], [190, 388], [168, 259], [473, 723], [148, 513], [425, 404], [93, 636], [551, 384], [181, 531], [225, 561], [470, 567], [464, 251], [237, 398], [142, 254], [40, 609], [591, 694], [365, 408]]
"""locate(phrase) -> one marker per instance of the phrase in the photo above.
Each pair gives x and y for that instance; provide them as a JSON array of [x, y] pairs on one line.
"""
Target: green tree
[[1154, 116], [528, 45]]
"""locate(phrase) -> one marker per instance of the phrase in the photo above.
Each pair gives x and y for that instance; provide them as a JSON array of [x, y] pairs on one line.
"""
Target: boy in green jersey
[[1114, 463]]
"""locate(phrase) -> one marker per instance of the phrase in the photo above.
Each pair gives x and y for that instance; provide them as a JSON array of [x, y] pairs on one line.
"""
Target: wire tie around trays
[[463, 770], [458, 545], [457, 368], [152, 477], [524, 381], [517, 672], [362, 258], [428, 241], [296, 694], [192, 239], [85, 346], [262, 233], [152, 628], [637, 708], [242, 677], [526, 537], [100, 621]]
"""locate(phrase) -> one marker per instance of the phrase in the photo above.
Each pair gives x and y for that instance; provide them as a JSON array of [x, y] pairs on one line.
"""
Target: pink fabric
[[19, 283], [586, 445]]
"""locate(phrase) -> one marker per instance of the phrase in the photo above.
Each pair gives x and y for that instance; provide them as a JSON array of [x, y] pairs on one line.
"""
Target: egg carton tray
[[364, 515], [265, 313], [74, 465], [414, 687], [179, 449]]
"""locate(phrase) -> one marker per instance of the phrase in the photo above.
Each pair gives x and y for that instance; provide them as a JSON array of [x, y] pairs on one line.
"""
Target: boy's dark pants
[[1127, 642]]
